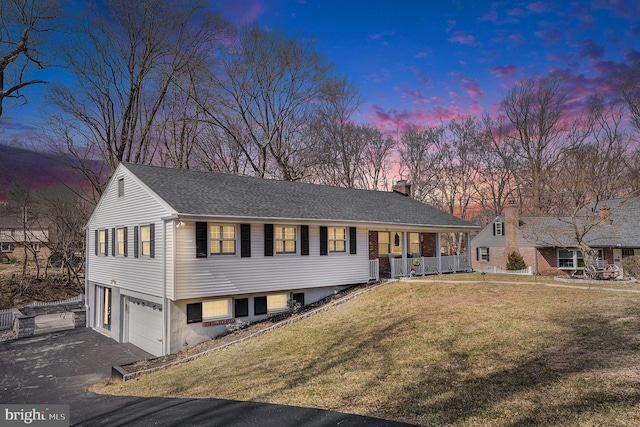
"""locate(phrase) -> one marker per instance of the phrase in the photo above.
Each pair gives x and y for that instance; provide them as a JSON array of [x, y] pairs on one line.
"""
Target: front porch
[[396, 254]]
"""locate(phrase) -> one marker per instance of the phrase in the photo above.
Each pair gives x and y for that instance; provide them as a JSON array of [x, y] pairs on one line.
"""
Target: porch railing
[[374, 269], [423, 266]]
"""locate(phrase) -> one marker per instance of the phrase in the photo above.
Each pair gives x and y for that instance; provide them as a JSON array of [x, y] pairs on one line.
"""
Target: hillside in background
[[34, 170]]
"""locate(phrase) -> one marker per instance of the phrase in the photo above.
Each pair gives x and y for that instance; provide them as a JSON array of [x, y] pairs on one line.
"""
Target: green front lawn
[[436, 353]]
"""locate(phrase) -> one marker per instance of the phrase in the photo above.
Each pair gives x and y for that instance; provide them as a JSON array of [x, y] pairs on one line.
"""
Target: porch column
[[439, 253], [467, 249], [404, 254]]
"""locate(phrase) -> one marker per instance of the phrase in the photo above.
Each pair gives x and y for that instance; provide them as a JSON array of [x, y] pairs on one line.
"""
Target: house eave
[[384, 224]]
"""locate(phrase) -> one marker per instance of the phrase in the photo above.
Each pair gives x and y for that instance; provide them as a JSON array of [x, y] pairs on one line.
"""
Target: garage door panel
[[145, 326]]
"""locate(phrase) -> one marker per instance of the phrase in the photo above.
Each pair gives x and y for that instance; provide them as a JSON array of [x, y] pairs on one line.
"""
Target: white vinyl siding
[[221, 276], [138, 209]]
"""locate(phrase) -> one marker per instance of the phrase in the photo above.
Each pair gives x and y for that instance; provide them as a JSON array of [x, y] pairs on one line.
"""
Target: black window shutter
[[97, 242], [126, 241], [106, 242], [201, 239], [245, 241], [352, 240], [487, 254], [152, 243], [502, 232], [494, 228], [324, 241], [136, 242], [113, 242], [268, 240], [477, 254], [304, 240]]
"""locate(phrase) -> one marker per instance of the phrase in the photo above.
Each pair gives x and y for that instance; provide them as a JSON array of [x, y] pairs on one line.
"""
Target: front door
[[106, 308], [617, 260]]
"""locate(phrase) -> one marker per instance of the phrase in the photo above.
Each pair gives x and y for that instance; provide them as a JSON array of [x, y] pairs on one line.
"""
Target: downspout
[[165, 307], [467, 249]]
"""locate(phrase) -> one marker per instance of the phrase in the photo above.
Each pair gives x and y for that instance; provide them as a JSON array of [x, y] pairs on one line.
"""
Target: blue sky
[[426, 61]]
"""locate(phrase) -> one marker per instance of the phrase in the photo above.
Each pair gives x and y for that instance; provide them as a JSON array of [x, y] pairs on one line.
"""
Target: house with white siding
[[173, 256]]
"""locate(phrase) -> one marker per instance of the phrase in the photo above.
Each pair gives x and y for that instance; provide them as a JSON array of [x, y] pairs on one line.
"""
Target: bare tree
[[262, 94], [627, 84], [24, 25], [536, 110], [418, 159], [125, 59], [376, 165]]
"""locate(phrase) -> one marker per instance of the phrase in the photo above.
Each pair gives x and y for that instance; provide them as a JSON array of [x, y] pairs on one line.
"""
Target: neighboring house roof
[[557, 231], [196, 193]]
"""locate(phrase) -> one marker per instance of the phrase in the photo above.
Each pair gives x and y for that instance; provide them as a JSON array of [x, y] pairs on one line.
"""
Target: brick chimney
[[605, 214], [402, 187], [511, 223]]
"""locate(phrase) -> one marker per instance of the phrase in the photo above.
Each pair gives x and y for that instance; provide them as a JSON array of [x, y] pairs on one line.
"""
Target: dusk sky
[[426, 61], [423, 61]]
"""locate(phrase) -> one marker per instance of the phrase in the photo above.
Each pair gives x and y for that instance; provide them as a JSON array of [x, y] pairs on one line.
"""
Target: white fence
[[423, 266], [6, 316], [78, 298], [490, 269]]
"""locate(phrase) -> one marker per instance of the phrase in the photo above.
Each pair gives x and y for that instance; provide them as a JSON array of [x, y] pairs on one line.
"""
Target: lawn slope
[[439, 354]]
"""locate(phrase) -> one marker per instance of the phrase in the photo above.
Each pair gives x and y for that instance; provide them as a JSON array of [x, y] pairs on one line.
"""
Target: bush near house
[[515, 261]]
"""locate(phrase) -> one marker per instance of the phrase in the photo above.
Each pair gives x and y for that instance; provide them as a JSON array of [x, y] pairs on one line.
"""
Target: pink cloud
[[624, 9], [462, 38], [469, 85], [491, 16], [516, 38], [504, 70], [516, 12], [590, 49], [392, 120], [242, 11], [423, 54], [537, 7], [551, 34]]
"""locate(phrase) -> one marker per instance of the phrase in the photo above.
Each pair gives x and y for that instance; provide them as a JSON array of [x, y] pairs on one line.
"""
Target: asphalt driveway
[[57, 368]]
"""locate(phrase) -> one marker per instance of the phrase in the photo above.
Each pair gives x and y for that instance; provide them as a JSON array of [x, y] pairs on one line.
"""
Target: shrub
[[631, 266], [237, 326], [515, 261]]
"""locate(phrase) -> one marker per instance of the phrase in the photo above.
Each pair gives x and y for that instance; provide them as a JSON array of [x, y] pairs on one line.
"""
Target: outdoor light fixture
[[396, 240], [179, 224]]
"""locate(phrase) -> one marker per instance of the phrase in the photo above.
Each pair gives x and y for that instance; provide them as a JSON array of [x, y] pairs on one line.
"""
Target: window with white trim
[[277, 302], [145, 240], [102, 242], [120, 241], [6, 247], [572, 258], [414, 244], [337, 239], [627, 253], [36, 247], [216, 309], [222, 239], [483, 254], [499, 230], [285, 237]]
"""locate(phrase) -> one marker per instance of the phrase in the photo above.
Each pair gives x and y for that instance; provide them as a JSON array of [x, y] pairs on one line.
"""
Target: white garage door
[[145, 325]]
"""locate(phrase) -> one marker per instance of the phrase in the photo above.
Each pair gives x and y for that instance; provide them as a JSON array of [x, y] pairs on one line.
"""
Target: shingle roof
[[623, 230], [216, 194]]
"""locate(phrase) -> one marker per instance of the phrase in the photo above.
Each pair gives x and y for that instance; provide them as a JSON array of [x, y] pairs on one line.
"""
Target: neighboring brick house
[[175, 255], [14, 239], [549, 246]]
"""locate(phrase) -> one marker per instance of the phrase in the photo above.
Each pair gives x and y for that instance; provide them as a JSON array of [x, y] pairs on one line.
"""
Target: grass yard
[[432, 353]]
